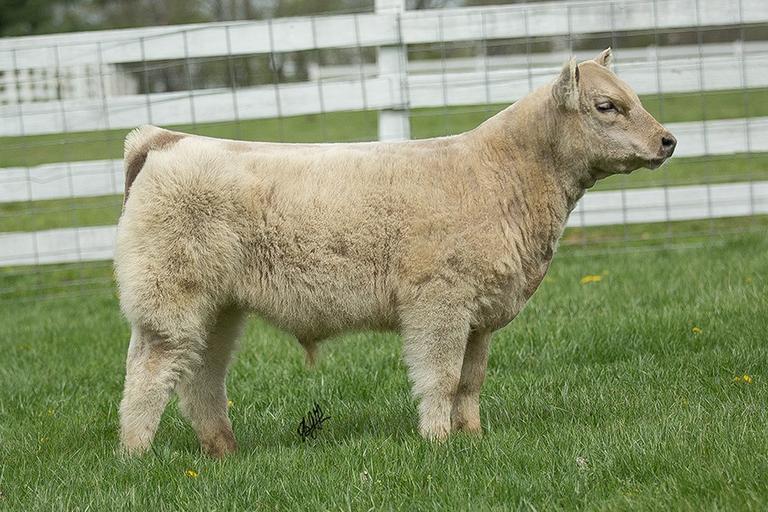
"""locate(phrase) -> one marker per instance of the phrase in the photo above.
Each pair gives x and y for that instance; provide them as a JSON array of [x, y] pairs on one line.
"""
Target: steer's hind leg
[[156, 361], [202, 392], [434, 350]]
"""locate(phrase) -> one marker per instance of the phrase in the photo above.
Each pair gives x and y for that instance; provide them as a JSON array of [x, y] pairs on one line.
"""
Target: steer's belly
[[316, 305]]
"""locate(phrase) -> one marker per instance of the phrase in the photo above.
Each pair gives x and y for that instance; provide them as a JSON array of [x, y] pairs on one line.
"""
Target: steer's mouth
[[655, 163]]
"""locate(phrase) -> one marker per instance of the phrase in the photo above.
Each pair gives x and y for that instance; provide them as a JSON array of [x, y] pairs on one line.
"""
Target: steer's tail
[[138, 143]]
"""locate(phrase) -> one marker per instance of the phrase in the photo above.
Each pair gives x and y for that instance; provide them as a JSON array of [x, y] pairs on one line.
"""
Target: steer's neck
[[530, 155]]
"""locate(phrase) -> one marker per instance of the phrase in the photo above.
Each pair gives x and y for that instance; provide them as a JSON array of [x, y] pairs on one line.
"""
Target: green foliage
[[23, 17], [33, 17]]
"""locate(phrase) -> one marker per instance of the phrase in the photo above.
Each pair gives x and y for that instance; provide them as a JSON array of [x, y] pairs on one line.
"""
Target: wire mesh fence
[[67, 102]]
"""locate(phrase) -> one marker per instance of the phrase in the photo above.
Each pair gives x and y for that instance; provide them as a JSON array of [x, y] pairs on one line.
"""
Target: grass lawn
[[599, 396]]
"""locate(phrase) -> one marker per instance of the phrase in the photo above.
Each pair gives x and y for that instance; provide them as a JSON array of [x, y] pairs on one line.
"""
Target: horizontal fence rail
[[552, 59], [658, 204], [206, 106]]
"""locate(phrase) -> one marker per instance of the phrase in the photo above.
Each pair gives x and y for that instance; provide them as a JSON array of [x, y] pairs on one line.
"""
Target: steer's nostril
[[668, 142]]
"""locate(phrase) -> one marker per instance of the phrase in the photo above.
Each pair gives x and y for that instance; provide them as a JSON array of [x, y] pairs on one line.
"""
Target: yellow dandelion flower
[[696, 330], [191, 473], [230, 403], [590, 279], [747, 378], [737, 378]]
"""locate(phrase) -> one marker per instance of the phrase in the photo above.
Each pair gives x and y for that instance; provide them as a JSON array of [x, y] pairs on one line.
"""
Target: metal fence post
[[393, 62]]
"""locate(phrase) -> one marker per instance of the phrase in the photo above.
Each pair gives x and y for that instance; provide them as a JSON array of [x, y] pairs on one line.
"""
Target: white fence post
[[393, 62]]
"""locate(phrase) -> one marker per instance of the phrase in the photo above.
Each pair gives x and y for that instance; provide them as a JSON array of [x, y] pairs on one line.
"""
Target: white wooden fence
[[396, 86]]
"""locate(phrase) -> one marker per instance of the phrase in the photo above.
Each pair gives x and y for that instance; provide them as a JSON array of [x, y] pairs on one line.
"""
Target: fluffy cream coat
[[443, 240]]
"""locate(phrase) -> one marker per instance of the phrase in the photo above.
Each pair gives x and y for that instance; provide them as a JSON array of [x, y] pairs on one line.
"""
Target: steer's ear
[[605, 58], [566, 87]]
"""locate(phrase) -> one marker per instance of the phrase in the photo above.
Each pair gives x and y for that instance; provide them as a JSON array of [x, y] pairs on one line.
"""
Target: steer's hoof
[[469, 428], [435, 434], [219, 446]]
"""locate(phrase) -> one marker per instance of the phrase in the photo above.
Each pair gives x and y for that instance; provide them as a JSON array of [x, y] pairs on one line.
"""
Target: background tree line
[[31, 17]]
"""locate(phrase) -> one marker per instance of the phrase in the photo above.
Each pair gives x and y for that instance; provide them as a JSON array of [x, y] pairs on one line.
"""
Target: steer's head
[[605, 122]]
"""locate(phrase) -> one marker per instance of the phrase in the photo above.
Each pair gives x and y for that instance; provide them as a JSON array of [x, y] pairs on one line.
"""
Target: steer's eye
[[606, 106]]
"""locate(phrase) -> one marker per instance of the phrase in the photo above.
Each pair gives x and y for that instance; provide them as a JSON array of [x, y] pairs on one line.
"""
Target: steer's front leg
[[434, 351]]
